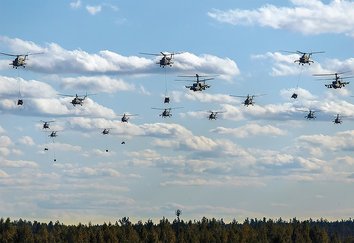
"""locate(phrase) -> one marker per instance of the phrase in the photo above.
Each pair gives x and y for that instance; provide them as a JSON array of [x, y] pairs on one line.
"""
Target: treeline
[[204, 230]]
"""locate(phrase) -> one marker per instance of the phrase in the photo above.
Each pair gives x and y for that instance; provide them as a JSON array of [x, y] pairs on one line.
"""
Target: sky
[[265, 160]]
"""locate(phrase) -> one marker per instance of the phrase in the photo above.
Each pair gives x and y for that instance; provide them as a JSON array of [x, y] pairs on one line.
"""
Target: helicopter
[[337, 120], [249, 99], [310, 115], [199, 84], [126, 117], [46, 124], [20, 60], [213, 114], [53, 134], [305, 57], [106, 131], [166, 59], [78, 100], [166, 111], [337, 82]]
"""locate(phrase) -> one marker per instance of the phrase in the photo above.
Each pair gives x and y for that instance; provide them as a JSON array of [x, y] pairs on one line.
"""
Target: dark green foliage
[[204, 230]]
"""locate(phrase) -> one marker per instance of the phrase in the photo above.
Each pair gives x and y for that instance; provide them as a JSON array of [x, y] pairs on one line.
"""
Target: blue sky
[[265, 160]]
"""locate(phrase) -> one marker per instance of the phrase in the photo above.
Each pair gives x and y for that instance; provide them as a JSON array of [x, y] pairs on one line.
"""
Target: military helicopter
[[305, 57], [337, 120], [249, 99], [213, 114], [106, 131], [46, 124], [166, 111], [166, 59], [78, 100], [53, 134], [199, 84], [310, 115], [337, 82], [126, 117], [20, 60]]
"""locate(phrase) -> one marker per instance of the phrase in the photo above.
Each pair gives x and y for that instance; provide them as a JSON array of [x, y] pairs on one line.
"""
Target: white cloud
[[3, 174], [252, 129], [91, 171], [75, 5], [178, 96], [307, 17], [97, 84], [26, 140], [208, 64], [56, 60], [339, 141], [11, 87], [93, 10], [18, 163]]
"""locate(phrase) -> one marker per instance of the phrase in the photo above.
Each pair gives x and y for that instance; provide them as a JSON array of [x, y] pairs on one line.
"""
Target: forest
[[204, 230]]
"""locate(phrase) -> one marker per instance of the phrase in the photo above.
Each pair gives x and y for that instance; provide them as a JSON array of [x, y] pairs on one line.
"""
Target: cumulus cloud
[[178, 96], [26, 140], [341, 141], [93, 10], [248, 130], [307, 17], [97, 84], [11, 87], [18, 163], [57, 60], [41, 99], [75, 5]]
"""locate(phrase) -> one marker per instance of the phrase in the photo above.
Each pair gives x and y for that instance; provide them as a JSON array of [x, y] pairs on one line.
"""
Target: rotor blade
[[174, 108], [316, 52], [324, 74], [11, 55], [205, 79], [66, 95], [125, 114], [294, 52], [300, 52], [239, 96], [36, 53], [152, 54], [157, 108]]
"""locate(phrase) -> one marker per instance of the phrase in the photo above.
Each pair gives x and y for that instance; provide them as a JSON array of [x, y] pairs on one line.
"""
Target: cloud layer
[[307, 17]]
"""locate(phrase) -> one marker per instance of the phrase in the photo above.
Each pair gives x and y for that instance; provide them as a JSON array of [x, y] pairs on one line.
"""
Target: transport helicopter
[[106, 131], [53, 134], [305, 57], [20, 60], [249, 99], [337, 80], [166, 60], [213, 114], [78, 99], [126, 117], [46, 124], [199, 84], [166, 112], [311, 114], [337, 119]]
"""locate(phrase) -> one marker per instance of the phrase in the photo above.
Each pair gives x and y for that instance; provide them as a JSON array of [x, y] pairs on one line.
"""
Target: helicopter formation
[[198, 85]]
